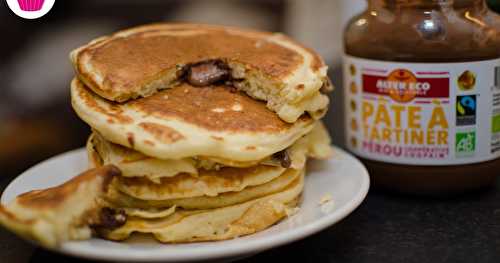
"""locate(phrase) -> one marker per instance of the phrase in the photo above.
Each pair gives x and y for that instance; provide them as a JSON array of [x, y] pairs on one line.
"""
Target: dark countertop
[[385, 228]]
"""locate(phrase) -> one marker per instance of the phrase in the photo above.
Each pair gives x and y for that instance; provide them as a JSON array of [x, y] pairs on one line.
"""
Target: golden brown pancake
[[315, 144], [138, 199], [187, 121], [214, 224], [60, 213], [207, 183], [215, 108], [140, 61]]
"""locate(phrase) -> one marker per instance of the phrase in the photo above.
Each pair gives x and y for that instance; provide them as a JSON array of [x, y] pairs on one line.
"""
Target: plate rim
[[248, 247]]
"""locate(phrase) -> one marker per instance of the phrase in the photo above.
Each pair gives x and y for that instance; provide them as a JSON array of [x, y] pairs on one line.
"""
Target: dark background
[[37, 122]]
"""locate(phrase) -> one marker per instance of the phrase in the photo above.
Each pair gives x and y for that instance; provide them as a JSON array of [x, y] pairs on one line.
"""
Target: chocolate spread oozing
[[205, 73], [110, 219], [283, 158]]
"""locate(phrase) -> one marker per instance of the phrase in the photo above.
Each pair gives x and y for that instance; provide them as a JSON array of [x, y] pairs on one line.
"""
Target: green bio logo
[[465, 143], [495, 124]]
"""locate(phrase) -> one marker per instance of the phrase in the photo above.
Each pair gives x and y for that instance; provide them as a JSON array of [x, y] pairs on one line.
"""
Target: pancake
[[215, 224], [207, 183], [149, 213], [60, 213], [315, 144], [140, 61], [119, 199], [135, 164], [187, 121]]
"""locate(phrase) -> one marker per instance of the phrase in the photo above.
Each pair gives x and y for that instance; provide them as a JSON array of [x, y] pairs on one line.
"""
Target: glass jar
[[422, 97]]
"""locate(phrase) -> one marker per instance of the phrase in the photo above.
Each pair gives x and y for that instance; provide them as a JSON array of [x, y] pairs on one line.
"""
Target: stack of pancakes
[[210, 127]]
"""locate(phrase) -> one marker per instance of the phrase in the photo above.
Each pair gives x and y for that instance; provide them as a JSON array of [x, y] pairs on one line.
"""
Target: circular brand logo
[[402, 88], [30, 9], [466, 81]]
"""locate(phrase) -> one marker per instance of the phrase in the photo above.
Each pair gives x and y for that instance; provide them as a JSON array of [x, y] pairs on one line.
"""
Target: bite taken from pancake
[[271, 67]]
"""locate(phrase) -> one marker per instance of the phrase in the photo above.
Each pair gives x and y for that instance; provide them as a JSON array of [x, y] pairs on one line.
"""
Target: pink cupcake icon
[[30, 5]]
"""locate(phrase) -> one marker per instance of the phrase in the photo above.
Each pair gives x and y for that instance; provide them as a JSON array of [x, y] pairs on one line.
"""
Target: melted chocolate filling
[[110, 218], [205, 73], [283, 158]]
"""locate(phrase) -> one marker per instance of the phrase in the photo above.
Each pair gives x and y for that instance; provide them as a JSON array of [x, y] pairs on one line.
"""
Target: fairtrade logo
[[466, 81], [466, 110], [30, 9], [465, 143], [404, 91]]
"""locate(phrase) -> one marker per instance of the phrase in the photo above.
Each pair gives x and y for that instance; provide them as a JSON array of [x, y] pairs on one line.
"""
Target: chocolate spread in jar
[[422, 96]]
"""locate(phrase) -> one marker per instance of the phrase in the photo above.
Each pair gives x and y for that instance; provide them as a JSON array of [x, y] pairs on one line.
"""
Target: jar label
[[423, 113]]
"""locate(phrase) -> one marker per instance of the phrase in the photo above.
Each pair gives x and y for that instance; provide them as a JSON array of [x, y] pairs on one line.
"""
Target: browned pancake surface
[[128, 62], [227, 173], [218, 108], [53, 197]]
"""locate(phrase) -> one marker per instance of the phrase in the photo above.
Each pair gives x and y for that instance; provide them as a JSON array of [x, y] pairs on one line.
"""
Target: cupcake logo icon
[[30, 5], [30, 9]]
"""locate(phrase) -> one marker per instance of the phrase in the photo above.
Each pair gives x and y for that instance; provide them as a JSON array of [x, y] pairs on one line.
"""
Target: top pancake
[[187, 121], [140, 61]]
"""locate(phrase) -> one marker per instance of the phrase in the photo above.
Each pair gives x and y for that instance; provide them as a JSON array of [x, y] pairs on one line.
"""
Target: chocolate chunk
[[110, 218], [207, 72], [283, 158]]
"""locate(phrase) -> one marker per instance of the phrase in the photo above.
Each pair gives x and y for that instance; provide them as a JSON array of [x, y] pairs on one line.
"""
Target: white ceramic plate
[[343, 177]]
